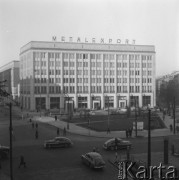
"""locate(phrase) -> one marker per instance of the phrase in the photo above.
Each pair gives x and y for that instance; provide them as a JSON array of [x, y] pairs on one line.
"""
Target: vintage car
[[58, 142], [4, 151], [118, 143], [93, 160]]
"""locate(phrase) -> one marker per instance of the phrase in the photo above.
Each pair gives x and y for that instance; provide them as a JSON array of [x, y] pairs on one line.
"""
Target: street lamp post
[[40, 92], [149, 141], [108, 110], [135, 118], [174, 115], [68, 98]]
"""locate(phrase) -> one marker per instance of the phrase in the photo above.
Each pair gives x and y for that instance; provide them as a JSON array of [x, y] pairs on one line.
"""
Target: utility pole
[[149, 141], [10, 135], [108, 111], [135, 118], [174, 115]]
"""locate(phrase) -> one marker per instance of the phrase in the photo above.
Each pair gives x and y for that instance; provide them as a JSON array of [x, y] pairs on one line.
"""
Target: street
[[64, 163]]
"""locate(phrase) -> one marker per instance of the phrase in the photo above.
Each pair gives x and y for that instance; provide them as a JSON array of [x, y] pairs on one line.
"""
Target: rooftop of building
[[9, 65], [73, 46]]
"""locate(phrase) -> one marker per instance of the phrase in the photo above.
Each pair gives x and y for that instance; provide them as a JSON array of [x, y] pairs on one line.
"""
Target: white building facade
[[86, 75]]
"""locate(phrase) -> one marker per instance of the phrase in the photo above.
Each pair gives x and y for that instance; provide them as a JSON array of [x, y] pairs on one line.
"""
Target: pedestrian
[[30, 120], [36, 134], [13, 136], [58, 131], [64, 131], [33, 125], [163, 116], [36, 125], [126, 133], [94, 149], [108, 131], [177, 129], [116, 158], [171, 128], [22, 162], [116, 143], [130, 132], [55, 118]]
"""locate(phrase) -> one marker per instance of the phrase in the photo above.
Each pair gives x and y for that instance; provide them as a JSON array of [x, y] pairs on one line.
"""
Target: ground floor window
[[54, 103], [40, 103]]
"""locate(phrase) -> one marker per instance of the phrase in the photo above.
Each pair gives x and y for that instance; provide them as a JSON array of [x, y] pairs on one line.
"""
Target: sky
[[149, 22]]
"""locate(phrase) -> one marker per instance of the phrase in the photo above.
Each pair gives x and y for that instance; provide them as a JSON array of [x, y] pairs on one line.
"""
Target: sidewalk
[[73, 128]]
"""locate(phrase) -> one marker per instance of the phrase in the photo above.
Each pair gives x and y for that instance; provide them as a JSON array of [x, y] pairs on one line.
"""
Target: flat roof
[[10, 65], [72, 46]]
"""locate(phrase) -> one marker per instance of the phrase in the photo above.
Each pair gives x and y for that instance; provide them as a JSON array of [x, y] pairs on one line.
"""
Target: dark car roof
[[94, 154], [113, 139], [59, 137]]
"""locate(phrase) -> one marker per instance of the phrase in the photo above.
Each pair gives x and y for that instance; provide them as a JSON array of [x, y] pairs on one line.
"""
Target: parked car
[[93, 160], [122, 110], [58, 142], [4, 151], [92, 112], [121, 144]]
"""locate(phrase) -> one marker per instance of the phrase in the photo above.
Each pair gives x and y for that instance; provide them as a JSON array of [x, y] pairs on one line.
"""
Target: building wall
[[10, 72], [87, 73]]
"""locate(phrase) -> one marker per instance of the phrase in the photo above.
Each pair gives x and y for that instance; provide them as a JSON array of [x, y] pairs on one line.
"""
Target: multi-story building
[[87, 75], [10, 73]]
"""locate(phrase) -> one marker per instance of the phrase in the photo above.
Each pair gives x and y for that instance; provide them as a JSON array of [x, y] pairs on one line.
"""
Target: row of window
[[94, 89], [93, 64], [94, 80], [92, 56], [93, 72]]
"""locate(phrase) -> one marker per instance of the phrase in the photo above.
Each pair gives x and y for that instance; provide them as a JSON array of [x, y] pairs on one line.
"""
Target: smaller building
[[10, 73], [163, 81]]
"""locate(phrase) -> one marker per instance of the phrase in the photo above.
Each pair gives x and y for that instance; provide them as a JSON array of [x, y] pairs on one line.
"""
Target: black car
[[58, 142], [93, 160], [118, 143], [4, 152]]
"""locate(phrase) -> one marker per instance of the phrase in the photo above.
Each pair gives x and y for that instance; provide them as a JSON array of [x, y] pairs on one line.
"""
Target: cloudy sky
[[150, 22]]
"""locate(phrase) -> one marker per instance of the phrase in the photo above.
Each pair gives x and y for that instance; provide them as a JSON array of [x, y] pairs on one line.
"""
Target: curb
[[87, 135]]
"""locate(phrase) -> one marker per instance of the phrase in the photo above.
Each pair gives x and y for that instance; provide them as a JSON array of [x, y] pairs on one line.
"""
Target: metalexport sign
[[93, 40]]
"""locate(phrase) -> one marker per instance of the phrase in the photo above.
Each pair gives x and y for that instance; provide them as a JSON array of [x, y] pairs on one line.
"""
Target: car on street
[[92, 112], [122, 110], [118, 143], [4, 151], [93, 160], [58, 142]]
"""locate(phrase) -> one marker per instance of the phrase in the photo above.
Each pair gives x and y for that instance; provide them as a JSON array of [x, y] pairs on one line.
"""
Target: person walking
[[64, 131], [177, 129], [36, 125], [22, 162], [126, 133], [58, 131], [55, 118], [13, 136], [130, 132], [171, 128], [33, 125], [116, 158], [36, 134], [108, 131], [94, 149]]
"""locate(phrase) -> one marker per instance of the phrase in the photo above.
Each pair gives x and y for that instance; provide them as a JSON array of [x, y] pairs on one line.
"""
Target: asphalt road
[[55, 164]]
